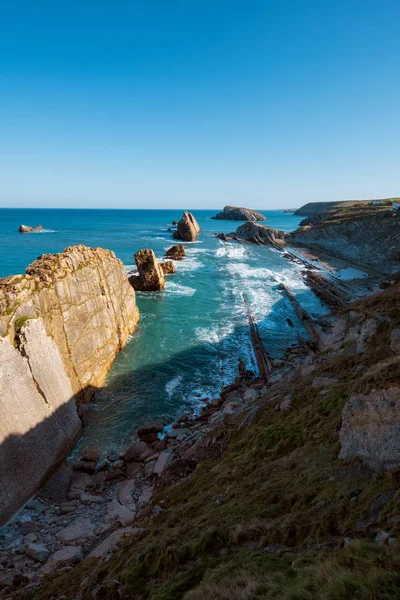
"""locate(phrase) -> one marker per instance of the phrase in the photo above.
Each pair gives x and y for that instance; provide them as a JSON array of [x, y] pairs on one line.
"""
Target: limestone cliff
[[86, 304], [61, 326]]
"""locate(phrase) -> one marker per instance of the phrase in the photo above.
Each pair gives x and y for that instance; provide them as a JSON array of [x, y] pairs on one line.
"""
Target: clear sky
[[198, 103]]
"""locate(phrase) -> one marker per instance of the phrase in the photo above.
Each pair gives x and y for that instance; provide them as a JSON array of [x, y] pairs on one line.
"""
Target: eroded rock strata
[[187, 228], [235, 213], [61, 326], [150, 274]]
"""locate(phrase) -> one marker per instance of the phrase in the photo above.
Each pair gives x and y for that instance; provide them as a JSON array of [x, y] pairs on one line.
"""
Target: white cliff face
[[39, 419], [61, 326]]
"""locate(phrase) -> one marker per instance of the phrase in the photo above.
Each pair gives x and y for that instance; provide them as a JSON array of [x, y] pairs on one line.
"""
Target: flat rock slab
[[111, 542], [163, 461], [119, 513], [37, 551], [78, 530]]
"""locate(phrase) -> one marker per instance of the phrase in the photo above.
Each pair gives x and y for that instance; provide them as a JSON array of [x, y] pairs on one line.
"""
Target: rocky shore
[[281, 484]]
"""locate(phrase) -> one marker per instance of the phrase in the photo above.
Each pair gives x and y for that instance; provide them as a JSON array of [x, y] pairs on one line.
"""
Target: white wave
[[245, 271], [188, 264], [215, 334], [178, 290], [231, 251], [45, 231], [171, 386]]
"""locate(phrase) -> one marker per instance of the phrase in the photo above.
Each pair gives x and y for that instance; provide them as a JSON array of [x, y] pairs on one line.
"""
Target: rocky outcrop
[[261, 234], [371, 429], [27, 229], [168, 267], [176, 252], [369, 241], [61, 326], [187, 228], [235, 213], [150, 276], [84, 300]]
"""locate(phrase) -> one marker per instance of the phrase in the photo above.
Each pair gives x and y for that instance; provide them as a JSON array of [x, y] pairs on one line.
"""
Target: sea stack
[[150, 276], [187, 228], [235, 213]]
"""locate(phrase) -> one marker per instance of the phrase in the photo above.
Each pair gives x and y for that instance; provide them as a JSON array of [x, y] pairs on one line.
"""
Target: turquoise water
[[192, 334]]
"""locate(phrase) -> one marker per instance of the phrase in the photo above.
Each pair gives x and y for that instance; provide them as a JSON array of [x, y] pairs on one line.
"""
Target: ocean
[[192, 334]]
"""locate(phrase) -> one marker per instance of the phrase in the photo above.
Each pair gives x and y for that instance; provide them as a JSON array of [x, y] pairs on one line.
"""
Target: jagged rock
[[168, 267], [68, 555], [187, 229], [150, 276], [27, 228], [146, 495], [37, 551], [235, 213], [91, 499], [176, 252], [371, 429], [395, 341]]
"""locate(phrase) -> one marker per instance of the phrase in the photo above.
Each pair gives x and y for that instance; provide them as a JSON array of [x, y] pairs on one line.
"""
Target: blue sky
[[198, 103]]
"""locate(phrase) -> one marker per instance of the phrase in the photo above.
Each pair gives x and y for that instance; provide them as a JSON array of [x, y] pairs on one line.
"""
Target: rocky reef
[[28, 229], [187, 228], [258, 234], [235, 213], [61, 326], [176, 252]]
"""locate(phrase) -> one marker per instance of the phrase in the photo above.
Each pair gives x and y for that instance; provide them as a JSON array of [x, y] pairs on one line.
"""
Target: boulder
[[187, 229], [163, 461], [135, 451], [80, 529], [168, 267], [28, 229], [68, 555], [176, 252], [150, 277], [235, 213], [151, 427], [90, 455], [37, 551], [119, 513], [371, 429]]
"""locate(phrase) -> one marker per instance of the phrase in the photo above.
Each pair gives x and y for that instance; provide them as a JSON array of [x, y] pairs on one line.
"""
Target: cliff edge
[[61, 326]]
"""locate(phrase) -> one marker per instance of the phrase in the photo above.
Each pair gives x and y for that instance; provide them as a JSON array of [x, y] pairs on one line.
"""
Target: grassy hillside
[[271, 512]]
